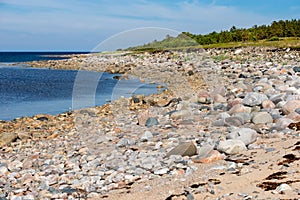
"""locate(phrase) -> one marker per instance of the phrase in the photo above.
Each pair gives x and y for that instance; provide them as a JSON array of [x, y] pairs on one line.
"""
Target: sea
[[26, 91]]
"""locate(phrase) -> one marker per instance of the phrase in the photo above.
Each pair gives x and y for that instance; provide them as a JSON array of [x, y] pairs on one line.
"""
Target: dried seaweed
[[289, 158], [277, 175]]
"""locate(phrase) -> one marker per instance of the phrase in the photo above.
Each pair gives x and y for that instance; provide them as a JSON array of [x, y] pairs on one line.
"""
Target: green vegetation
[[220, 57], [278, 34]]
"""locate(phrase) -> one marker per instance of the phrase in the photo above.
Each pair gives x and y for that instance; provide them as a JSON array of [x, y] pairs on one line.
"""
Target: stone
[[219, 99], [242, 76], [238, 51], [276, 98], [232, 146], [147, 136], [125, 142], [234, 121], [220, 106], [282, 124], [223, 115], [151, 121], [290, 106], [3, 170], [211, 157], [261, 118], [254, 99], [234, 102], [269, 64], [161, 171], [246, 117], [294, 116], [142, 117], [239, 108], [218, 122], [184, 149], [246, 135], [181, 114], [296, 69], [203, 97], [282, 188], [7, 138], [268, 104], [93, 195], [204, 151]]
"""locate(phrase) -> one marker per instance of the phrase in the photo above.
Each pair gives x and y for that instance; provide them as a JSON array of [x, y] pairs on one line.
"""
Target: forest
[[273, 32]]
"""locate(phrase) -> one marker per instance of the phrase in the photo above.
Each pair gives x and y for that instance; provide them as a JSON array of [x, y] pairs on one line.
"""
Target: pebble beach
[[224, 124]]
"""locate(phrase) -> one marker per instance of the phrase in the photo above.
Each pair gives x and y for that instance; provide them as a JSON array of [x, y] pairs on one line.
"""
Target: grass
[[291, 42], [221, 57]]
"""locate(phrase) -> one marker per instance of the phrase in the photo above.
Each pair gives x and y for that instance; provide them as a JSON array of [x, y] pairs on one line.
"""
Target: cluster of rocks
[[218, 104]]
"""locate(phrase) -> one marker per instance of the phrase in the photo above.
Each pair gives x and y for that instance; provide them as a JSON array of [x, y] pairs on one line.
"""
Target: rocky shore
[[227, 127]]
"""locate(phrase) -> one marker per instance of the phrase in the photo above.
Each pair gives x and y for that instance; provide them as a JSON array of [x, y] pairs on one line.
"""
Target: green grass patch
[[221, 57]]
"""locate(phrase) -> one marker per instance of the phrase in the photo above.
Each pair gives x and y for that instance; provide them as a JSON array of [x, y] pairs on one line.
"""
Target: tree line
[[272, 32], [277, 29]]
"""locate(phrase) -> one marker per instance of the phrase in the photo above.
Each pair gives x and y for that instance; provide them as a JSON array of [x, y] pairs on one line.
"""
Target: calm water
[[34, 56], [26, 91]]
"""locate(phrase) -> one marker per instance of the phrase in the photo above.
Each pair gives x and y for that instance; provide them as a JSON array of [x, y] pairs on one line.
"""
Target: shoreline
[[131, 86], [120, 150]]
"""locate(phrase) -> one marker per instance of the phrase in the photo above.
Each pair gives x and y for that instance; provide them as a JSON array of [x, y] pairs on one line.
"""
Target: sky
[[99, 25]]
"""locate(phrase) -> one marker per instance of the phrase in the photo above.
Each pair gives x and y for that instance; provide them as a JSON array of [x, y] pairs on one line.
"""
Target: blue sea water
[[27, 91], [8, 57]]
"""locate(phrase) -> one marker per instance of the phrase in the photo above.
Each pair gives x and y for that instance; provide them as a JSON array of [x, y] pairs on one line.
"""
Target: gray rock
[[189, 196], [151, 121], [220, 106], [232, 146], [282, 124], [125, 142], [204, 151], [177, 158], [261, 118], [296, 69], [161, 171], [276, 98], [223, 115], [184, 149], [234, 121], [254, 99], [219, 122], [147, 136], [246, 135], [243, 115]]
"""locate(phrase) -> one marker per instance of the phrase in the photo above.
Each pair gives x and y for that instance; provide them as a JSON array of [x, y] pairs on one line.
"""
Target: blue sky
[[84, 24]]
